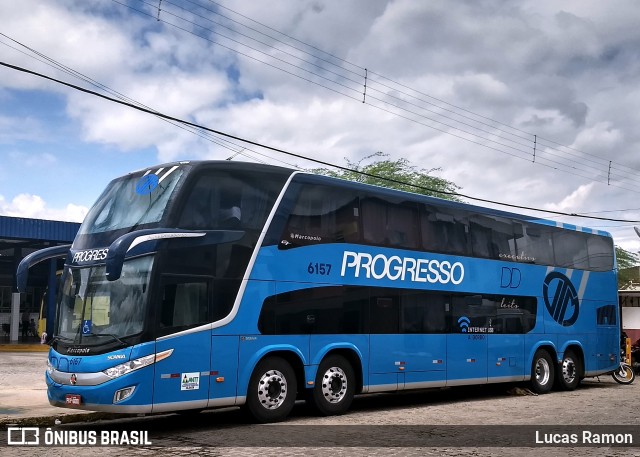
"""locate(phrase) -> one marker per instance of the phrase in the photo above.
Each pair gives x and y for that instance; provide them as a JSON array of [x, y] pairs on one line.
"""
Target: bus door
[[467, 343], [506, 343], [423, 325], [182, 379], [608, 336]]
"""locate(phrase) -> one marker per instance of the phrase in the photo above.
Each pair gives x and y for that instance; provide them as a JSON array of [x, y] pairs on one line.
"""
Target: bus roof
[[321, 179]]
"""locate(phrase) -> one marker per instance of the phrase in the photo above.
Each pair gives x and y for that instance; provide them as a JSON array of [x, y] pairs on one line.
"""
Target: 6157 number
[[322, 269]]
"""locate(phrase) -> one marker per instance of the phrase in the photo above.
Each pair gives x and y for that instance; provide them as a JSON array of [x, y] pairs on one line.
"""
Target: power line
[[244, 140], [388, 79], [204, 135], [573, 167]]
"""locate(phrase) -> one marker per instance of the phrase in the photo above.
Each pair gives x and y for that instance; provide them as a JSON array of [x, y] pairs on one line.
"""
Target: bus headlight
[[128, 367], [133, 365]]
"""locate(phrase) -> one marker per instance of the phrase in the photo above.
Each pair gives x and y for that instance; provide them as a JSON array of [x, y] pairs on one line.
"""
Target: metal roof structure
[[21, 236], [37, 229]]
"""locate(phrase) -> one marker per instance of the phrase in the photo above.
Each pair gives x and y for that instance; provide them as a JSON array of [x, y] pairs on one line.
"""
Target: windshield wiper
[[115, 337]]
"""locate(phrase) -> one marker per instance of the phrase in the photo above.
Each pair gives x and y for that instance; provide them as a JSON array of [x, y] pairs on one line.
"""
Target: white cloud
[[566, 72], [35, 207], [574, 200]]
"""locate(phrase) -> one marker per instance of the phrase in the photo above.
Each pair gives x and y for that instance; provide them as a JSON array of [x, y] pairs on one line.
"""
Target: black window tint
[[492, 314], [358, 310], [226, 200], [184, 303], [513, 314], [606, 315], [323, 214], [323, 310], [423, 312], [444, 230], [384, 312], [492, 237], [471, 314], [533, 243], [570, 249], [389, 223], [600, 250]]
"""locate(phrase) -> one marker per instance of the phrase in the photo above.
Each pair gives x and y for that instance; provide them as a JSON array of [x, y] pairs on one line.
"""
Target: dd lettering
[[511, 278]]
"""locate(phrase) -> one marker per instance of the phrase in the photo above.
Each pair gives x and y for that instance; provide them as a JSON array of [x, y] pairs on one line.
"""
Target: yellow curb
[[24, 348]]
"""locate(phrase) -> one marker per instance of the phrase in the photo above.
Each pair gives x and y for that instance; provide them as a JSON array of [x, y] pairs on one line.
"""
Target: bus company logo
[[559, 292], [403, 268], [464, 322], [91, 254], [147, 184]]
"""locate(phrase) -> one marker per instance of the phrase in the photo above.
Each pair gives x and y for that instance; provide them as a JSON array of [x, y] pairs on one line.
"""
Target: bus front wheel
[[542, 372], [272, 390], [335, 386]]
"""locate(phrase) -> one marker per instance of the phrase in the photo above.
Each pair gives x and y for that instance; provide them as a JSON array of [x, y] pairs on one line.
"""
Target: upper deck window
[[230, 200], [132, 200]]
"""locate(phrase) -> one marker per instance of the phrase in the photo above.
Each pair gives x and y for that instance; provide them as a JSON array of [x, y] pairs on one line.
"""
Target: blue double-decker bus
[[196, 285]]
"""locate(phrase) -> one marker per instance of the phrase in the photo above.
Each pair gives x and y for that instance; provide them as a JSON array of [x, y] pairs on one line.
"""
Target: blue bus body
[[366, 313]]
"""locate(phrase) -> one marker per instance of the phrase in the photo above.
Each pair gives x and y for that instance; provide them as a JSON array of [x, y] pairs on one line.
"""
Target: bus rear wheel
[[272, 390], [334, 386], [542, 372], [570, 371]]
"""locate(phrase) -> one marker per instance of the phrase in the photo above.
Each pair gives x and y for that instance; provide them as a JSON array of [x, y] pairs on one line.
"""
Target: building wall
[[631, 323]]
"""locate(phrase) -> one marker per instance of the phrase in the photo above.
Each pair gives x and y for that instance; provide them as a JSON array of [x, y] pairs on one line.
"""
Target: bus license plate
[[73, 399]]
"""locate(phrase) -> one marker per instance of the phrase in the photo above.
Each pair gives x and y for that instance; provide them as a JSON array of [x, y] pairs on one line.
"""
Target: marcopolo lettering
[[402, 268], [90, 255]]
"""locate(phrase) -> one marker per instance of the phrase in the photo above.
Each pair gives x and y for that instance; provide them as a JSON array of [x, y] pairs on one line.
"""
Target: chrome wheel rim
[[568, 370], [334, 385], [272, 389], [542, 372]]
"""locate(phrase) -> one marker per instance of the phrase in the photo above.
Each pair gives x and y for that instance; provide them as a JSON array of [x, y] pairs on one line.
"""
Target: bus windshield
[[131, 201], [93, 309]]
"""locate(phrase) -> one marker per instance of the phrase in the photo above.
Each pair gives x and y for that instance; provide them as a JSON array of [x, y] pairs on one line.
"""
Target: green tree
[[627, 260], [396, 173]]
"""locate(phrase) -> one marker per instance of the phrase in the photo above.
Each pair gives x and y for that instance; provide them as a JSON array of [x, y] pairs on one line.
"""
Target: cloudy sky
[[469, 87]]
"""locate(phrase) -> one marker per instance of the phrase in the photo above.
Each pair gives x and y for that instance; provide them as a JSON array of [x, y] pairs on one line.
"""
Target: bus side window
[[322, 214], [600, 253], [184, 304], [384, 314], [389, 223], [570, 249], [444, 230], [423, 312]]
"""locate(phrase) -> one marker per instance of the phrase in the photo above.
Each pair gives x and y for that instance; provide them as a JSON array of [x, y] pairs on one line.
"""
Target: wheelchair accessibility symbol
[[86, 327]]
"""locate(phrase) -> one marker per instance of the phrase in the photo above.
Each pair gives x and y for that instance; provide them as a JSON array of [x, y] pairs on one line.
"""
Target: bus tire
[[542, 372], [569, 372], [272, 390], [335, 386]]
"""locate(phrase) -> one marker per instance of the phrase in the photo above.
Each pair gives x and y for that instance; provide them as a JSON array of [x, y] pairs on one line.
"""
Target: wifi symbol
[[464, 323]]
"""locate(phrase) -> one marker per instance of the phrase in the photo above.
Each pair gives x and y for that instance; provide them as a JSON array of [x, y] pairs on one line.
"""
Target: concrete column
[[15, 316]]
